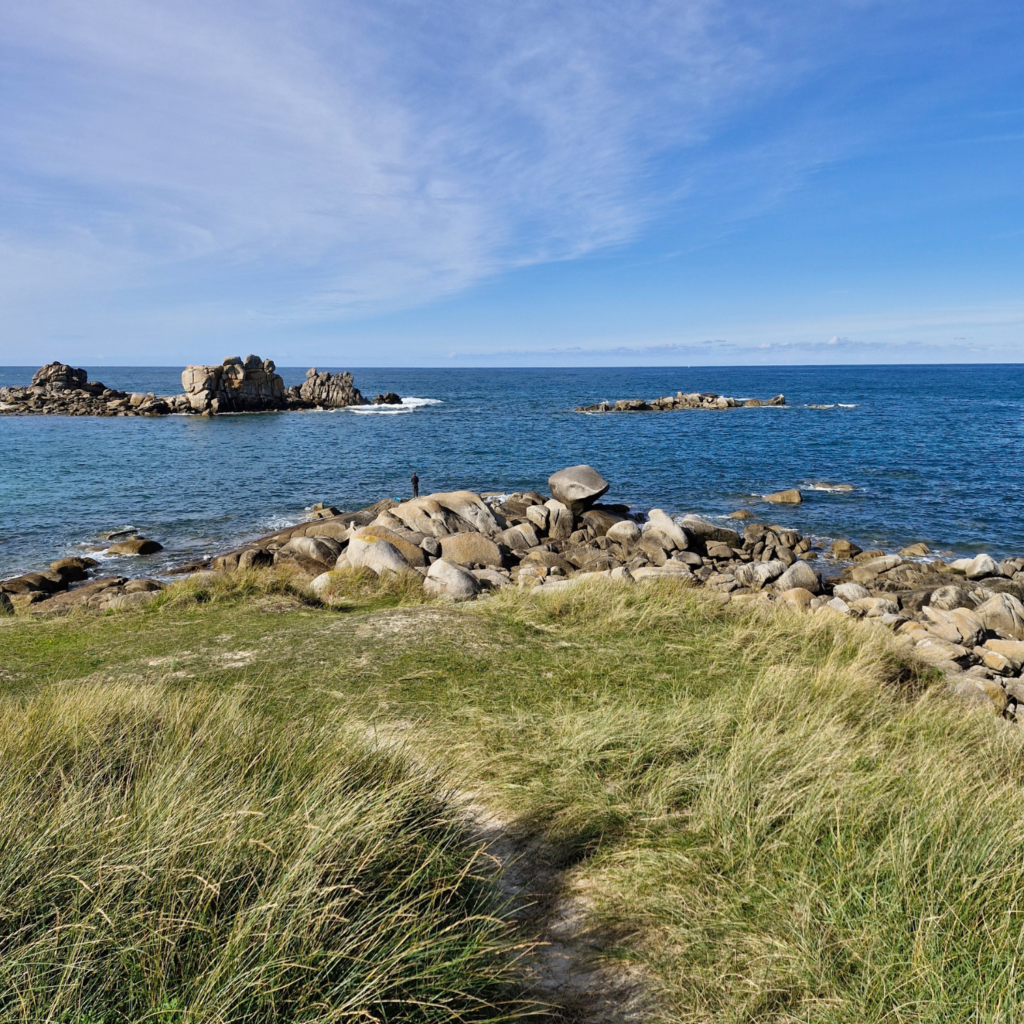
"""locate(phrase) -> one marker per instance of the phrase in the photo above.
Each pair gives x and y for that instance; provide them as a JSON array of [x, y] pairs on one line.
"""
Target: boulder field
[[235, 385], [964, 617]]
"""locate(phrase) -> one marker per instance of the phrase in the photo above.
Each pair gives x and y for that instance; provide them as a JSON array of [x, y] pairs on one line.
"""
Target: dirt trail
[[565, 970]]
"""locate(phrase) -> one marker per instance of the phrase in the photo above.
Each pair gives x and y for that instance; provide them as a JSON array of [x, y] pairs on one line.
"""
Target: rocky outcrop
[[236, 385], [326, 391], [61, 390], [965, 617], [681, 400]]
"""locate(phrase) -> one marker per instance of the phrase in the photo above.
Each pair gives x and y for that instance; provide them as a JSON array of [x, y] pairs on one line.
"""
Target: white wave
[[854, 406], [839, 488], [408, 405]]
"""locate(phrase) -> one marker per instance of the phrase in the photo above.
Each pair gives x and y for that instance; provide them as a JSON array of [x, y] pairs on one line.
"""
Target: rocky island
[[235, 385], [681, 400]]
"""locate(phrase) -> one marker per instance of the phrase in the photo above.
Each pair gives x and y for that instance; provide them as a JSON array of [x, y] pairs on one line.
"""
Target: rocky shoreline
[[681, 400], [965, 617], [236, 385]]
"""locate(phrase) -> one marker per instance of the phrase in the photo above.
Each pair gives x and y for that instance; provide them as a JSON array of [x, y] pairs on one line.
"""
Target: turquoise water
[[933, 454]]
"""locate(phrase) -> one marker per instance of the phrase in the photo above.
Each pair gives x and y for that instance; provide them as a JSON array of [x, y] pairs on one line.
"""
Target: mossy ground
[[773, 817]]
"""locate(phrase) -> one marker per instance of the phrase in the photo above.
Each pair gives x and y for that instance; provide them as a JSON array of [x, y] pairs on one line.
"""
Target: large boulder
[[319, 549], [668, 527], [470, 549], [429, 517], [600, 520], [626, 532], [471, 509], [982, 566], [407, 546], [799, 574], [445, 579], [560, 520], [1002, 613], [710, 531], [577, 487], [756, 574], [372, 553], [520, 537]]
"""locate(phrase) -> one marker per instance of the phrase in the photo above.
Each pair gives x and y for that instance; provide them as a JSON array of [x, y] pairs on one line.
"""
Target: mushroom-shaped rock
[[447, 580], [373, 553], [1002, 613], [577, 487], [799, 574]]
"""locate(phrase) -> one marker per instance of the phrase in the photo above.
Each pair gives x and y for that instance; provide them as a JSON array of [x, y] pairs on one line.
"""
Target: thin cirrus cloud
[[268, 160]]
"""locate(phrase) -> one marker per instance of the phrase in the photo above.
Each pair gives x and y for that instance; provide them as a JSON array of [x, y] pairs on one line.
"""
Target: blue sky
[[499, 183]]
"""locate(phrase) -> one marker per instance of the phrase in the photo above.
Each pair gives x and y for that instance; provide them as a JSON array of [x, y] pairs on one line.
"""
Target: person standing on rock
[[415, 481]]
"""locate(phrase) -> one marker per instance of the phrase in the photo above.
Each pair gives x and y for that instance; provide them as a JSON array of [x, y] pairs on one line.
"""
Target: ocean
[[933, 454]]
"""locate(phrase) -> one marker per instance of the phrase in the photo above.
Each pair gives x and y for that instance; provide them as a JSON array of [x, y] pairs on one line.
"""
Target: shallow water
[[933, 454]]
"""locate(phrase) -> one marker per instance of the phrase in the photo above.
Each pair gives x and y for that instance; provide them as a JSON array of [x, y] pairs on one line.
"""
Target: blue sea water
[[934, 453]]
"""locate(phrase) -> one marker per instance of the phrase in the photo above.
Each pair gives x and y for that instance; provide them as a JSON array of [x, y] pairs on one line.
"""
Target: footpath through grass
[[203, 807]]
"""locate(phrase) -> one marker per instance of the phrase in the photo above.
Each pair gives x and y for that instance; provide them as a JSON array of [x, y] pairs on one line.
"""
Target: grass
[[774, 817]]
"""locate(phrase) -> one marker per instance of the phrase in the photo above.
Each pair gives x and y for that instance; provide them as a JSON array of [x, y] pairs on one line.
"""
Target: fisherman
[[415, 481]]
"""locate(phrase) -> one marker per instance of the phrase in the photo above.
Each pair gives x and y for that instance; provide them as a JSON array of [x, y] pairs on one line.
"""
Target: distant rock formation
[[693, 400], [326, 391], [237, 385]]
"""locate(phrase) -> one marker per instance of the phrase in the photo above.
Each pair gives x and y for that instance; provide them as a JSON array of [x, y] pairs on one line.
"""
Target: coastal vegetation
[[237, 803]]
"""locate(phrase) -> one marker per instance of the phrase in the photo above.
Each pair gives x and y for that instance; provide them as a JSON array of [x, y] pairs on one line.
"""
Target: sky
[[615, 182]]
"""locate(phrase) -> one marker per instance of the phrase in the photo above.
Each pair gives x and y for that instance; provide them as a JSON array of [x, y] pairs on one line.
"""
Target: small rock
[[742, 513], [792, 496], [797, 597], [850, 592], [1012, 650], [844, 549], [915, 551], [445, 579], [139, 546]]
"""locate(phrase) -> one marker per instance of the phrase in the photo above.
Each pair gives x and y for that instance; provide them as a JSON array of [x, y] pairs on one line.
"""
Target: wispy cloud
[[283, 158]]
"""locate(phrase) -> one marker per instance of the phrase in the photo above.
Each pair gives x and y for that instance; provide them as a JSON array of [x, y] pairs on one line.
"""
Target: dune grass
[[775, 817]]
